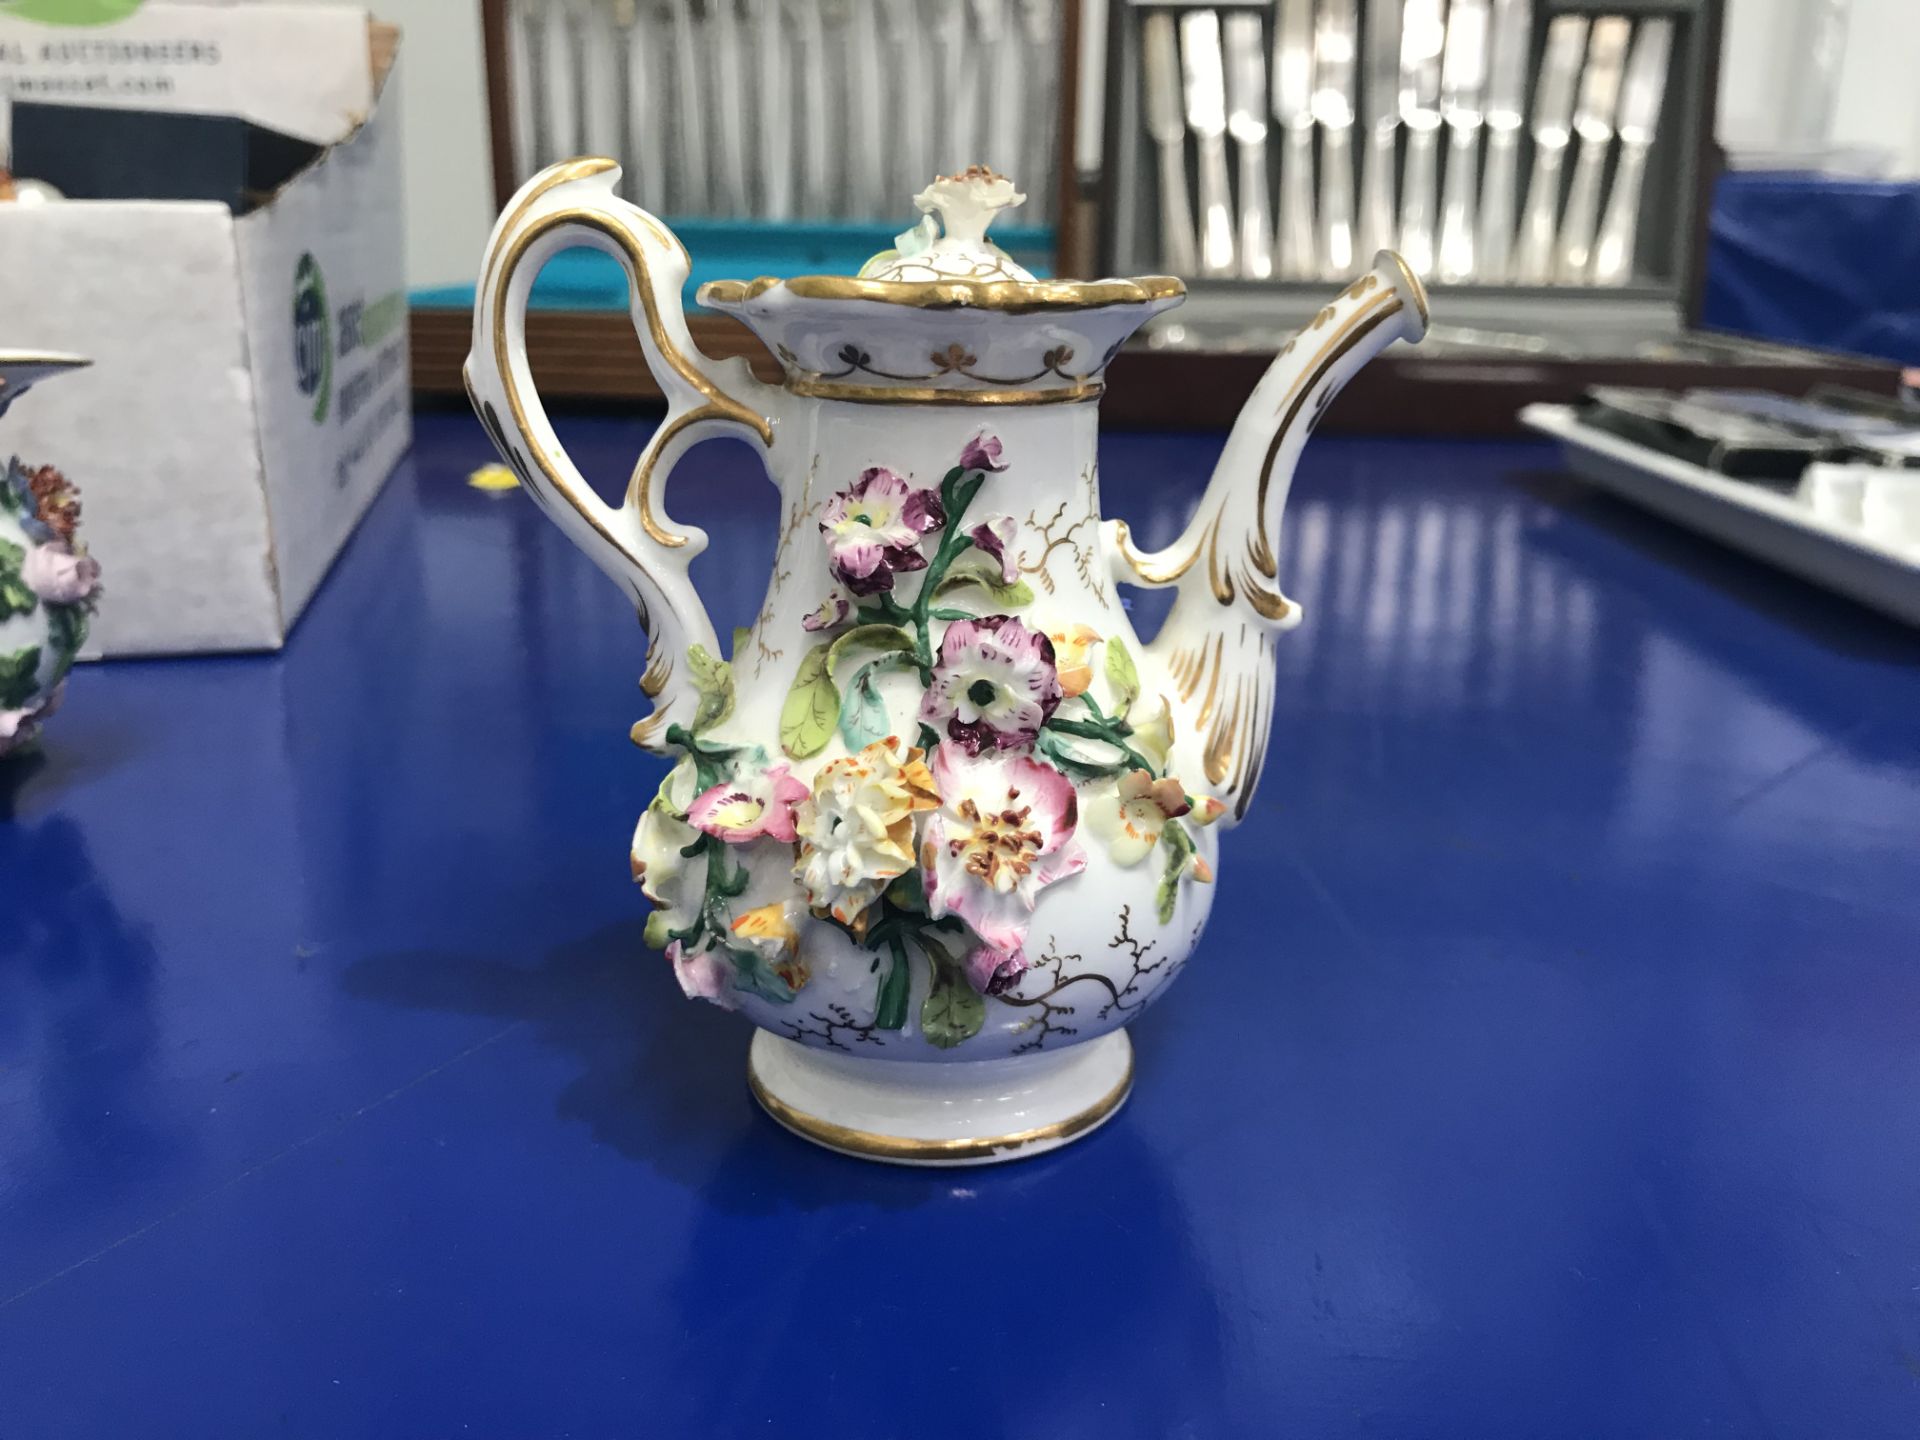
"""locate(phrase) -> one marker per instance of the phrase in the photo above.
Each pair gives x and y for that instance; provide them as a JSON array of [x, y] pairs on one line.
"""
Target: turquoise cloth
[[728, 250]]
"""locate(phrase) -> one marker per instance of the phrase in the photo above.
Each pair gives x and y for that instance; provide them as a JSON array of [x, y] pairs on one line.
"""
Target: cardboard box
[[249, 394]]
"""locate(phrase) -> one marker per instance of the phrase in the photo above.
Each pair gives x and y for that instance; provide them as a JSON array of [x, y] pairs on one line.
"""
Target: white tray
[[1748, 517]]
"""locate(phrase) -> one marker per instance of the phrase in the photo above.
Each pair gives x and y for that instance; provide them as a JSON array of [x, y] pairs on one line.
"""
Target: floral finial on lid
[[955, 246]]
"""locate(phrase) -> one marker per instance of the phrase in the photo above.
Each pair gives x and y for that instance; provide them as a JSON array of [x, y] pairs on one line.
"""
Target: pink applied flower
[[982, 453], [706, 976], [873, 530], [993, 686], [57, 575], [994, 539], [1002, 834], [993, 971], [750, 806]]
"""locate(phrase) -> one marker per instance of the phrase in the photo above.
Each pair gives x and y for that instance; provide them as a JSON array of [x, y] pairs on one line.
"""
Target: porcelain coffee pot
[[938, 823]]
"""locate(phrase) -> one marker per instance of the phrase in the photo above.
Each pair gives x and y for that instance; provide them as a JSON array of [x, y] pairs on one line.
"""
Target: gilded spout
[[1217, 643]]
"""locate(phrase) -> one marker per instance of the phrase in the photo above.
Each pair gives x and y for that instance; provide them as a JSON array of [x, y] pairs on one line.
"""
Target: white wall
[[1878, 103]]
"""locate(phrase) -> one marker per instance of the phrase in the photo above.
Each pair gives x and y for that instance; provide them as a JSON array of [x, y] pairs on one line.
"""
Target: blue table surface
[[1581, 1097]]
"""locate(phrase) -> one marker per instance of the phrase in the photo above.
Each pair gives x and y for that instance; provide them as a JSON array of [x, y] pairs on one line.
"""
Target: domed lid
[[946, 316]]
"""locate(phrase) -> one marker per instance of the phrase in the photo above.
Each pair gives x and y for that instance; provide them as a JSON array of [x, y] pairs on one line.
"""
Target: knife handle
[[1376, 192], [1216, 208], [1613, 255], [1178, 250], [1493, 250], [1256, 213], [1583, 214], [1456, 209], [1533, 265], [1336, 202], [1293, 257], [1417, 198]]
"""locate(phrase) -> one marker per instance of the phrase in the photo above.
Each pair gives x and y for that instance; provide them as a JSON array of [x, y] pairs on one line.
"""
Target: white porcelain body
[[905, 377]]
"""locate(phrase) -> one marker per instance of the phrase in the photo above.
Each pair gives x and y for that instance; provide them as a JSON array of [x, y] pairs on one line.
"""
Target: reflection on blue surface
[[1548, 1069]]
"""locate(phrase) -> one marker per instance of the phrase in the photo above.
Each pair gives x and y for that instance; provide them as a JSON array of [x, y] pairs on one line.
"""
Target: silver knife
[[621, 14], [1206, 84], [1335, 39], [1160, 58], [774, 78], [533, 100], [902, 79], [1552, 130], [1247, 123], [1645, 88], [1593, 123], [1039, 165], [1421, 41], [817, 140], [1463, 80], [1293, 107], [692, 197], [1380, 92], [1510, 27], [576, 87], [731, 91]]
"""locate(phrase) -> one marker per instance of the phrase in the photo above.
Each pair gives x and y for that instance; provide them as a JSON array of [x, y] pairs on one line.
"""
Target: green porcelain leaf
[[15, 597], [714, 680], [868, 637], [1007, 597], [66, 632], [1178, 844], [812, 706], [19, 678], [952, 1011], [863, 715], [70, 12], [1122, 675]]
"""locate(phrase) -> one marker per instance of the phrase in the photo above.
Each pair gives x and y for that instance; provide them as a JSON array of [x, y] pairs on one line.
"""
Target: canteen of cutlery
[[1463, 75], [1293, 109], [1206, 86], [1593, 128], [1552, 132], [1422, 37], [1335, 38], [1645, 88], [1510, 32], [832, 109], [1247, 124]]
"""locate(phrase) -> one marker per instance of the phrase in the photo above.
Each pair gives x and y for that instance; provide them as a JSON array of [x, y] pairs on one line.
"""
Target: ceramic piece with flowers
[[939, 824], [49, 584]]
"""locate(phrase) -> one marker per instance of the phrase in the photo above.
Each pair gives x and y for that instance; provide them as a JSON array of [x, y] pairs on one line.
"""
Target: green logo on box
[[69, 12], [312, 342]]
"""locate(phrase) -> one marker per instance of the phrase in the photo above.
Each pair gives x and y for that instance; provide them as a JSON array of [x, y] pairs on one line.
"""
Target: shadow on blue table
[[1749, 588], [661, 1084]]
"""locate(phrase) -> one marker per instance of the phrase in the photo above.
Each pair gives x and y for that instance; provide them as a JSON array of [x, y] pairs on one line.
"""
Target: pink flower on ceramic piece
[[993, 686], [993, 971], [705, 976], [982, 453], [830, 612], [57, 575], [1002, 834], [994, 539], [873, 530], [751, 806]]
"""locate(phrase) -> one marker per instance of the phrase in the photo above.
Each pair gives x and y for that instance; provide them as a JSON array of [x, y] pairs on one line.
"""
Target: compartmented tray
[[1756, 519]]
